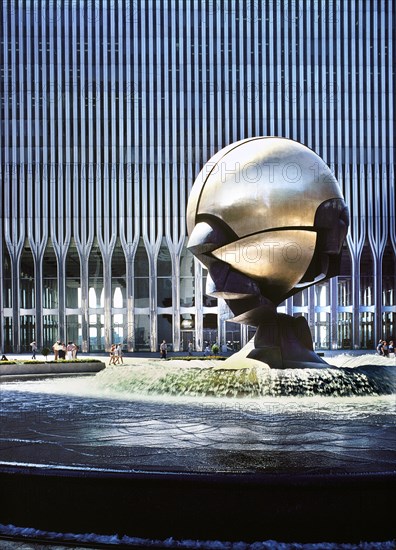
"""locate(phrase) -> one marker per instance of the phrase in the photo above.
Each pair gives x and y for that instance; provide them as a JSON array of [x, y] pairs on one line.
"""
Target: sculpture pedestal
[[281, 342]]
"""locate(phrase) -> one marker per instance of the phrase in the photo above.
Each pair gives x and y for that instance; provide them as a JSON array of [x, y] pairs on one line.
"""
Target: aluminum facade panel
[[109, 110]]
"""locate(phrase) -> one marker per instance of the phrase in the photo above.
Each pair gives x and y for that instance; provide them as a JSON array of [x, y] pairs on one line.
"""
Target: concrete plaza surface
[[323, 465]]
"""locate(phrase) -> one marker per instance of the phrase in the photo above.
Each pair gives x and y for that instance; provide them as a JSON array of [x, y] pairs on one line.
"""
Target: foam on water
[[116, 540], [199, 379], [351, 376]]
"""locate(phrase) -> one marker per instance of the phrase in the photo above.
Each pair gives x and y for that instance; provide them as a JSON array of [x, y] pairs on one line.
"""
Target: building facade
[[108, 112]]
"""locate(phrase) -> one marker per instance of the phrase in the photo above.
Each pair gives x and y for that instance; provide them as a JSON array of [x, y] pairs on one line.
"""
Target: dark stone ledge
[[157, 505]]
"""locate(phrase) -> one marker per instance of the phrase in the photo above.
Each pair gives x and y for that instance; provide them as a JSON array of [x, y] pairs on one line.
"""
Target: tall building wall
[[109, 110]]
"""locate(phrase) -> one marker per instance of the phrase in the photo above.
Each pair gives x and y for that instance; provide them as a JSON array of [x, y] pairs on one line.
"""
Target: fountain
[[272, 443]]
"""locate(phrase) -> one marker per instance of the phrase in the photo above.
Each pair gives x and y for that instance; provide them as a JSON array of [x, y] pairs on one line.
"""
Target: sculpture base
[[281, 342], [250, 356]]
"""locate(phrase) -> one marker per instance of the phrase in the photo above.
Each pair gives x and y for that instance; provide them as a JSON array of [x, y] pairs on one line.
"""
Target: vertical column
[[355, 238], [176, 299], [356, 302], [198, 305], [244, 335], [285, 118], [1, 285], [311, 312], [152, 254], [129, 237], [105, 229], [198, 98], [302, 90], [38, 289], [62, 154], [333, 313], [319, 132], [15, 275], [129, 225], [107, 300], [223, 315], [130, 303], [65, 185], [219, 95], [213, 85], [6, 167], [61, 257], [84, 302], [84, 231], [14, 235], [279, 77]]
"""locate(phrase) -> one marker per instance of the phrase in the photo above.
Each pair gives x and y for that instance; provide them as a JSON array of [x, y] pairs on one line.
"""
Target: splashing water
[[199, 378]]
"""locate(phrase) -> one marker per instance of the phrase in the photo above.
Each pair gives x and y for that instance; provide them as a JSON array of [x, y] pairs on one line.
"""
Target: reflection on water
[[83, 423]]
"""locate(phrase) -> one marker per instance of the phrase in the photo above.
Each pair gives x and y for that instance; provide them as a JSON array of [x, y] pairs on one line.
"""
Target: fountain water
[[197, 379]]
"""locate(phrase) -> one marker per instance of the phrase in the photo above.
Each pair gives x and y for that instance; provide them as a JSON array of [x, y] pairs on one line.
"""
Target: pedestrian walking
[[120, 360], [163, 349], [33, 345], [112, 355]]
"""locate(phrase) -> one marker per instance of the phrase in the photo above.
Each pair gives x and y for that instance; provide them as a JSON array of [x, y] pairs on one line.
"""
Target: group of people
[[164, 348], [385, 349], [116, 354], [214, 350], [64, 351]]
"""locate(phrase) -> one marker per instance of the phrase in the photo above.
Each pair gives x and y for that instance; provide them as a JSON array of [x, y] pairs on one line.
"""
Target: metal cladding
[[109, 109]]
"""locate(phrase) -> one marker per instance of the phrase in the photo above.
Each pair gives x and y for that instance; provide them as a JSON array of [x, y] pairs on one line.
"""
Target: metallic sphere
[[267, 218]]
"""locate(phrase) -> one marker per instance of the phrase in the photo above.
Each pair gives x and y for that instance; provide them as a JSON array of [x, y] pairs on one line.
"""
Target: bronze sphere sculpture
[[267, 218]]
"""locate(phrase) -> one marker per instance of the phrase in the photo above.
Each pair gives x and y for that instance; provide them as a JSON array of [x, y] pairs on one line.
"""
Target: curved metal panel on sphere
[[278, 258], [265, 183]]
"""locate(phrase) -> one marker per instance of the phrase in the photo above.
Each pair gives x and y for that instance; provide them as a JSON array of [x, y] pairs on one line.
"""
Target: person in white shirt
[[119, 354], [33, 345]]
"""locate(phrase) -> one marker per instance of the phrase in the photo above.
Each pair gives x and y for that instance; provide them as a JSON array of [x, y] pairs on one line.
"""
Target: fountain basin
[[314, 468], [234, 507], [21, 369]]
